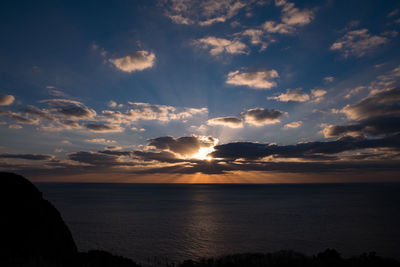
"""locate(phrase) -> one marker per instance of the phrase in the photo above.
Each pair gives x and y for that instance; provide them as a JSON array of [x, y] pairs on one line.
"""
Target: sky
[[200, 91]]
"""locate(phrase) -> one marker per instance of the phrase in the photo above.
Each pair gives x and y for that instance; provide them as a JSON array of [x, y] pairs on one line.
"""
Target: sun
[[203, 153]]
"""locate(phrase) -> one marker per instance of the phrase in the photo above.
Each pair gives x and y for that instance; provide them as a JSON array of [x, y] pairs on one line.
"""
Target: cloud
[[66, 114], [184, 146], [95, 47], [115, 117], [231, 122], [56, 92], [18, 118], [100, 141], [135, 129], [113, 104], [329, 79], [63, 114], [318, 94], [385, 125], [255, 151], [377, 114], [218, 46], [292, 18], [39, 113], [199, 128], [347, 155], [104, 128], [27, 156], [203, 12], [70, 109], [392, 34], [393, 13], [163, 156], [113, 148], [390, 79], [15, 126], [261, 116], [347, 169], [163, 113], [383, 82], [95, 158], [381, 104], [6, 100], [295, 95], [60, 126], [358, 43], [293, 125], [138, 61], [354, 91], [179, 19], [257, 38], [257, 80]]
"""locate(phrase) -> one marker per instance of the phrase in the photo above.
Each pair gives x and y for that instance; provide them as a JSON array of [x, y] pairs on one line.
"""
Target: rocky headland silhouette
[[33, 233]]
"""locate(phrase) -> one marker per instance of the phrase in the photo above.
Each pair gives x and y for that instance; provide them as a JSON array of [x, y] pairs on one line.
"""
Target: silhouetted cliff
[[31, 227], [33, 233]]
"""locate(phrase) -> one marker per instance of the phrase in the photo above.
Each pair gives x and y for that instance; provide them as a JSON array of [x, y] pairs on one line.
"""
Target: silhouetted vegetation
[[34, 234], [328, 258]]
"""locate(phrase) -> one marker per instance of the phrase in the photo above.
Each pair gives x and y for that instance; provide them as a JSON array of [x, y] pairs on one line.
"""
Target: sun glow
[[203, 153]]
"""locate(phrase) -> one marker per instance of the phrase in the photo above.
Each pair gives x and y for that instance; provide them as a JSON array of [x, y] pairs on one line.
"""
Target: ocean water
[[180, 221]]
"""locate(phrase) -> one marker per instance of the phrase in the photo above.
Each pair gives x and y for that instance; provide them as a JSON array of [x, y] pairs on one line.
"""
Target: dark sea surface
[[181, 221]]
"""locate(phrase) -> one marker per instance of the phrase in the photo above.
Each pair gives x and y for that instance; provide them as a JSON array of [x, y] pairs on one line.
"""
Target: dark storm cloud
[[261, 116], [252, 151], [186, 145], [377, 115], [27, 156]]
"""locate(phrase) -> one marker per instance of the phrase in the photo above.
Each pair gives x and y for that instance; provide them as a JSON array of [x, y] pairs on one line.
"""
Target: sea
[[174, 222]]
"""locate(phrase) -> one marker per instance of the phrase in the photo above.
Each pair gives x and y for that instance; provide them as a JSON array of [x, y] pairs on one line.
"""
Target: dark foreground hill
[[32, 233]]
